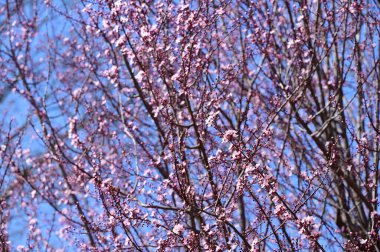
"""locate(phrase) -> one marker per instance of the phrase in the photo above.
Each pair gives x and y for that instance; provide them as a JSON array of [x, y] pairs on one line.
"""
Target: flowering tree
[[190, 125]]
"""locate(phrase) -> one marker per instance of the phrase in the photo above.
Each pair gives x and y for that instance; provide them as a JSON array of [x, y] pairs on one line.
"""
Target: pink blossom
[[178, 229], [229, 135]]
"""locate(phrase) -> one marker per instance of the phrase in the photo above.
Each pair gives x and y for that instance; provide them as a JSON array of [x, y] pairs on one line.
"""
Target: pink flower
[[178, 229], [211, 119], [229, 135]]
